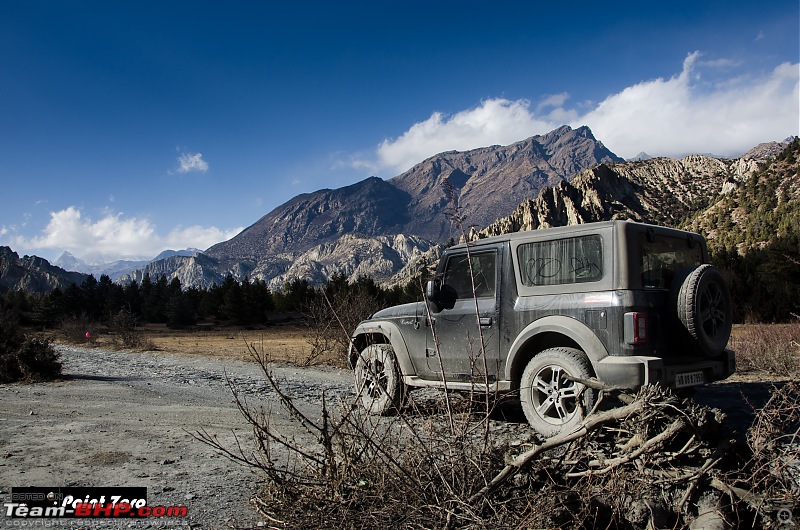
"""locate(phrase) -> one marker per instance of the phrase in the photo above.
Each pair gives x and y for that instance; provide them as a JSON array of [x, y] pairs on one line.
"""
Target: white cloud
[[495, 121], [553, 100], [709, 107], [115, 235], [197, 236], [680, 115], [192, 162]]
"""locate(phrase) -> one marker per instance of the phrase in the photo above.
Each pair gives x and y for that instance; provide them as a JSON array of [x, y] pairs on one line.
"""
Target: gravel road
[[124, 419]]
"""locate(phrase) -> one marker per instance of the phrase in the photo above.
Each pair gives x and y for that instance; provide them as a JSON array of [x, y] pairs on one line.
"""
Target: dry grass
[[286, 343], [772, 349], [767, 348]]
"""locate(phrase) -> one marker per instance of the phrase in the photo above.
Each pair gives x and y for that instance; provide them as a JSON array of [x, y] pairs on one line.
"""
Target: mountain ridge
[[115, 268], [483, 181], [364, 228], [33, 274], [656, 190]]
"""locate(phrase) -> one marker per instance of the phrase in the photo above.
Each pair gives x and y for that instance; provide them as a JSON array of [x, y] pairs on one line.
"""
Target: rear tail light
[[635, 328]]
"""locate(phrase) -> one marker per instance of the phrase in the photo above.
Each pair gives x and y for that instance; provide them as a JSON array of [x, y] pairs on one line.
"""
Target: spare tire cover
[[705, 309]]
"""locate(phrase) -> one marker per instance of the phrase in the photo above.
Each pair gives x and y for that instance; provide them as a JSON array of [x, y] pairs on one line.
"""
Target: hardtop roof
[[565, 230]]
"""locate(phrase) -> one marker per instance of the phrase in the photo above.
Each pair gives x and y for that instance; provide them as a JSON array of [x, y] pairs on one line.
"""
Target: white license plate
[[689, 379]]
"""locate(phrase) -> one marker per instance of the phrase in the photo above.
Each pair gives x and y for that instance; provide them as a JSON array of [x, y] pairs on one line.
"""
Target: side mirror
[[432, 291]]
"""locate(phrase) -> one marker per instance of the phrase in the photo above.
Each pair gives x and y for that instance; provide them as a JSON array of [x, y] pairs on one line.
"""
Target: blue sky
[[128, 128]]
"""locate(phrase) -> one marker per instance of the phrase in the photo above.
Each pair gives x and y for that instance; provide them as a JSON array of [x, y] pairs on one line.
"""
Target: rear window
[[561, 261], [665, 257]]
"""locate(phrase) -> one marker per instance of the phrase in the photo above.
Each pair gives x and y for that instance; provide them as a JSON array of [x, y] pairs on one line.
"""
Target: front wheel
[[379, 385], [552, 402]]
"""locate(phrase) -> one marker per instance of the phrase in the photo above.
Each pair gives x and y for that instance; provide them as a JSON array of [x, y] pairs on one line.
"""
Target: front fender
[[381, 331], [571, 329]]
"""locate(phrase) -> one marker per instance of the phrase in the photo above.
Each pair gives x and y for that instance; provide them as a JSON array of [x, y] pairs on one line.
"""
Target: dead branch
[[589, 424]]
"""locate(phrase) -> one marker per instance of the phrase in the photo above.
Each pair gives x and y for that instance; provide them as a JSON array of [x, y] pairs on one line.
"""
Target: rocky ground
[[127, 419]]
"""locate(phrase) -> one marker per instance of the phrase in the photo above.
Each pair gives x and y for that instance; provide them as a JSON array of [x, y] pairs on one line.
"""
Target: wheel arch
[[551, 332], [381, 333]]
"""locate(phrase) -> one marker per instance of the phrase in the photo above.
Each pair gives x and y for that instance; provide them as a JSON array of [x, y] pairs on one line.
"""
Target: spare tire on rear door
[[704, 308]]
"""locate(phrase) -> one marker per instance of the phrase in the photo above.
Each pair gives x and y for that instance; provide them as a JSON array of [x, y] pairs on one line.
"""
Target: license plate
[[689, 379]]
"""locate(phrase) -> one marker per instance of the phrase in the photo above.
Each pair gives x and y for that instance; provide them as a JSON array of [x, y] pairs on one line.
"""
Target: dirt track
[[124, 419]]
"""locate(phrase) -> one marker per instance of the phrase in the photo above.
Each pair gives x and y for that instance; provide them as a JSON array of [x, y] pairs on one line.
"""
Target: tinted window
[[560, 261], [664, 257], [457, 275]]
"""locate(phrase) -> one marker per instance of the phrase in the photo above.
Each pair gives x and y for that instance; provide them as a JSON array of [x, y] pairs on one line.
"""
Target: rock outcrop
[[657, 190]]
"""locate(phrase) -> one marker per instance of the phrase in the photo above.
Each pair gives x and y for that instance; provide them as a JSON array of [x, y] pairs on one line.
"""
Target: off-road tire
[[552, 403], [379, 384], [704, 308]]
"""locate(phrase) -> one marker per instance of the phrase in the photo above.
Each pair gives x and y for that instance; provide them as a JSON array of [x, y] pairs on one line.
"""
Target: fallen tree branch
[[589, 424], [651, 444]]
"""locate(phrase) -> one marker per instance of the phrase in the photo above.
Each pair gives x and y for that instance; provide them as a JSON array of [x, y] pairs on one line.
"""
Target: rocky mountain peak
[[484, 182]]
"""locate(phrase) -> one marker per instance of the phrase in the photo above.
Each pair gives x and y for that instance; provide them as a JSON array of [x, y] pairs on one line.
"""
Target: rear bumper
[[636, 371]]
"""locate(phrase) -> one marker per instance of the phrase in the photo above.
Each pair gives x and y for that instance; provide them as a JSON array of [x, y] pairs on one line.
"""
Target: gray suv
[[527, 313]]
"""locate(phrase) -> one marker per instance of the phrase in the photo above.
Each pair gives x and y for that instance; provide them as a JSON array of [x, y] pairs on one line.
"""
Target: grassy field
[[284, 343], [762, 349], [767, 348]]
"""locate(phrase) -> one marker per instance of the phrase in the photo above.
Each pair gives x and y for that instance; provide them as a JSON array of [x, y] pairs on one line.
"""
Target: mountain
[[486, 181], [657, 190], [494, 180], [197, 270], [380, 257], [563, 177], [33, 274], [368, 228], [99, 265], [317, 233], [768, 149], [763, 210], [169, 253]]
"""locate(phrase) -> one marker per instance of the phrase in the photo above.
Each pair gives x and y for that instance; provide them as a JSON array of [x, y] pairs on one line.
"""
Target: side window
[[457, 275], [560, 261]]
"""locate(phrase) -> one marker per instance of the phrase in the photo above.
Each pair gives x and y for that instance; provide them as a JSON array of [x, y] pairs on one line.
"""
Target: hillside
[[657, 190], [379, 257], [754, 235], [763, 210], [33, 274]]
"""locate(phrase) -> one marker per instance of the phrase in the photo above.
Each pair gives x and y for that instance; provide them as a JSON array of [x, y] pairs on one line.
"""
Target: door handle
[[486, 321]]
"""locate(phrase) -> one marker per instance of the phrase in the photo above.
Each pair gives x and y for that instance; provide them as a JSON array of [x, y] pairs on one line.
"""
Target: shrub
[[74, 328], [25, 358], [773, 348], [328, 319], [124, 325]]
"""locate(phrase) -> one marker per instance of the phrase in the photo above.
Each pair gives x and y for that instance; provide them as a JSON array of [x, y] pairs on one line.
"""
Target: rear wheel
[[552, 402], [379, 385]]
